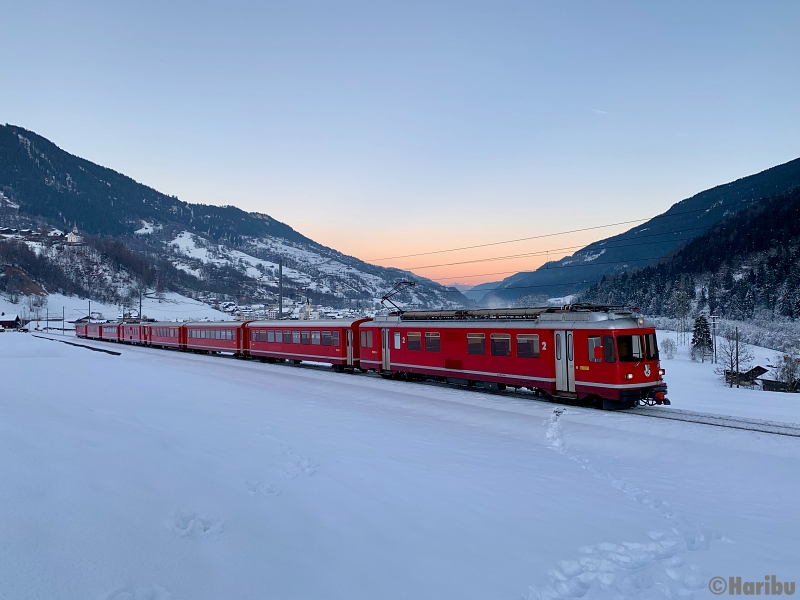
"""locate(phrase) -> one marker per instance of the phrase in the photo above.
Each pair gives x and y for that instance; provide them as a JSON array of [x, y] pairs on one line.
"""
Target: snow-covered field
[[695, 386], [172, 307], [157, 474]]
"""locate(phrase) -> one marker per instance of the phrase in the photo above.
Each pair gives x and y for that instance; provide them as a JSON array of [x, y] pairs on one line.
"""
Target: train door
[[565, 361], [386, 363], [349, 346]]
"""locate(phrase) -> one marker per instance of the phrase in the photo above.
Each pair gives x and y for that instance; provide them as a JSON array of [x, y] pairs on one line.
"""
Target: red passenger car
[[167, 335], [223, 336], [93, 331], [134, 333], [575, 353], [109, 332], [333, 342]]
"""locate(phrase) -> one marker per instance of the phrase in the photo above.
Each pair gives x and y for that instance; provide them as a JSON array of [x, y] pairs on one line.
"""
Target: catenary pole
[[280, 288], [737, 357]]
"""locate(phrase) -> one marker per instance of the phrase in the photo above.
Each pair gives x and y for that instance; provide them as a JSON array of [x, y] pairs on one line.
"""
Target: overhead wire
[[546, 235], [556, 250]]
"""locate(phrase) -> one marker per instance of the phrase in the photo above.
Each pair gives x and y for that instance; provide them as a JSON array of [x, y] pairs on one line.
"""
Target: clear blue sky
[[432, 124]]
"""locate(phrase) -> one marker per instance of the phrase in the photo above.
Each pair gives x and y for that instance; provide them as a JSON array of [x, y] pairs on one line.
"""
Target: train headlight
[[661, 372], [628, 375]]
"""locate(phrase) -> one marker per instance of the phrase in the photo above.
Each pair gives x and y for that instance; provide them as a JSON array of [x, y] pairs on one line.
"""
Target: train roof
[[547, 317], [317, 324], [213, 324]]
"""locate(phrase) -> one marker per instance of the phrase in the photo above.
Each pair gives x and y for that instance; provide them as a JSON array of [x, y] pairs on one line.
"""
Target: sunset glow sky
[[388, 129]]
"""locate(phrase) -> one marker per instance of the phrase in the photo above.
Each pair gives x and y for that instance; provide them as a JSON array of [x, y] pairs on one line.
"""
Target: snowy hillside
[[172, 245], [308, 268], [167, 307], [179, 476]]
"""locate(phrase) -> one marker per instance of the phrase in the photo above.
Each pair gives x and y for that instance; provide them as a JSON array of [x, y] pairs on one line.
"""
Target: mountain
[[162, 242], [644, 244], [745, 267]]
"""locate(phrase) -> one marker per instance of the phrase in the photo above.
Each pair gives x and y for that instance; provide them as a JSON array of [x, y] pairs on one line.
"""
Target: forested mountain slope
[[744, 267], [187, 247], [646, 243]]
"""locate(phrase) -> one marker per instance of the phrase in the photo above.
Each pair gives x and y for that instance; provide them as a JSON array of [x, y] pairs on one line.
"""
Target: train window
[[335, 339], [608, 349], [630, 348], [595, 349], [364, 338], [397, 340], [651, 346], [326, 338], [254, 335], [369, 338], [315, 338], [558, 346], [476, 343], [287, 337], [414, 340], [432, 342], [278, 336], [501, 344], [295, 337], [528, 345], [271, 335]]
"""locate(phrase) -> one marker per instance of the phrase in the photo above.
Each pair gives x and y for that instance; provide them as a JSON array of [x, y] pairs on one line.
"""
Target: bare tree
[[787, 370], [734, 356], [668, 348]]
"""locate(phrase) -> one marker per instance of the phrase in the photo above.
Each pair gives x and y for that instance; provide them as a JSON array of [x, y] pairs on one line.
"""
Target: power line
[[556, 250], [546, 235]]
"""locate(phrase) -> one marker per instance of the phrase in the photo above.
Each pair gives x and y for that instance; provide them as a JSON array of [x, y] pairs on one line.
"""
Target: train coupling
[[656, 396]]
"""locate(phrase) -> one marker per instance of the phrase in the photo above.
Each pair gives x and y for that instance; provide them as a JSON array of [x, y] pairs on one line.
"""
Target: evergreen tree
[[701, 339]]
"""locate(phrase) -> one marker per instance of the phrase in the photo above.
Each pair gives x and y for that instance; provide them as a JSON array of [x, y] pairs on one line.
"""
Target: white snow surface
[[159, 474], [171, 307], [147, 228], [696, 386]]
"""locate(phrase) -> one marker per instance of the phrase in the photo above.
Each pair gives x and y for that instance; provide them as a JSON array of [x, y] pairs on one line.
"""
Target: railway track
[[689, 416], [657, 412]]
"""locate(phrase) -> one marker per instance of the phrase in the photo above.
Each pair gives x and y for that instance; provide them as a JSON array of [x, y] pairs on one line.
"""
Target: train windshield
[[651, 346], [629, 348]]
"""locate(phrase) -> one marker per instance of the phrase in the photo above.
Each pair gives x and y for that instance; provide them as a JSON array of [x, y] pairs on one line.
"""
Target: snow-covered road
[[158, 474]]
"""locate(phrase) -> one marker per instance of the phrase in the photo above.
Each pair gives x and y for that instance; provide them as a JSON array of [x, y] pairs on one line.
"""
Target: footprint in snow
[[301, 466], [195, 525], [257, 488], [136, 592]]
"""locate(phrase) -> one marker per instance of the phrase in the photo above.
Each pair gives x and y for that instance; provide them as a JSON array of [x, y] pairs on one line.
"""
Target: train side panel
[[332, 342], [225, 336], [166, 335]]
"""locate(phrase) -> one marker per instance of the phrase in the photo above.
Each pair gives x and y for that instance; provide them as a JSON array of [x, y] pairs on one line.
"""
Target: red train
[[581, 353]]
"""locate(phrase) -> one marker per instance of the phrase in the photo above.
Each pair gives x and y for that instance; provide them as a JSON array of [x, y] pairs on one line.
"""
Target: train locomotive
[[576, 353]]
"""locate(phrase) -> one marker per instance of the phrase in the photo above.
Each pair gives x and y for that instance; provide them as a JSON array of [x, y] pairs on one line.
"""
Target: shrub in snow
[[668, 348]]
